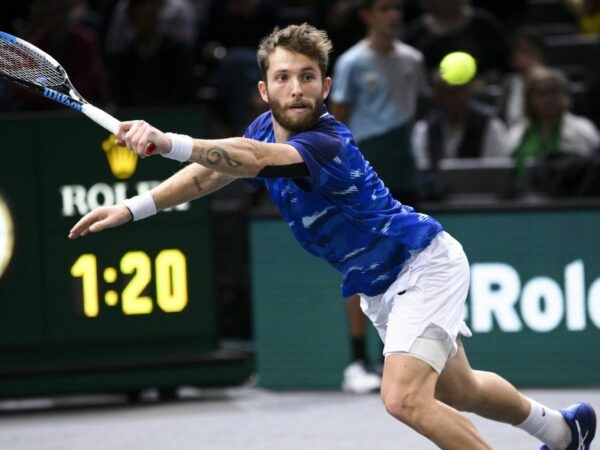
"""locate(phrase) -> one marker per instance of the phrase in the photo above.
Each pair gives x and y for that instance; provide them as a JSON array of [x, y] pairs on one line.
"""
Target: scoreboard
[[118, 310]]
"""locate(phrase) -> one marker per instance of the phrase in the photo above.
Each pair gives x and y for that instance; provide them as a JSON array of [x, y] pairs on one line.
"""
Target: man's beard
[[299, 124]]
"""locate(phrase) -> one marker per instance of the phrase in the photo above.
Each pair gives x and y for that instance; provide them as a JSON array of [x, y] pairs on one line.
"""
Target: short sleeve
[[323, 155], [341, 86]]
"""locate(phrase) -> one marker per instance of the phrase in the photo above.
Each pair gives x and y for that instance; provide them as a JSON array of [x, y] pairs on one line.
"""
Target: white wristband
[[141, 206], [181, 147]]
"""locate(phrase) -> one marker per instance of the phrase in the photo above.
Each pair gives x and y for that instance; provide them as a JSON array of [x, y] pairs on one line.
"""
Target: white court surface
[[237, 419]]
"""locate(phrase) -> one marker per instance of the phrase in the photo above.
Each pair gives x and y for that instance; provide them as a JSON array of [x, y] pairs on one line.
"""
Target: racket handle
[[102, 118], [108, 122]]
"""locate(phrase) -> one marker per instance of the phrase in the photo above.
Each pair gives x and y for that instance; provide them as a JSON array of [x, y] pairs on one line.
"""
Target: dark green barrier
[[534, 303], [117, 310]]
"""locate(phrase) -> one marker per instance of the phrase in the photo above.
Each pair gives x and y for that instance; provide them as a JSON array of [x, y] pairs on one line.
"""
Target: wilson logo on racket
[[62, 98], [121, 160], [28, 67]]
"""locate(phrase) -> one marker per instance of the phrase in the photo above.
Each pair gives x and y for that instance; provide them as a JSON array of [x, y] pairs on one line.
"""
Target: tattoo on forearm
[[214, 155], [197, 184]]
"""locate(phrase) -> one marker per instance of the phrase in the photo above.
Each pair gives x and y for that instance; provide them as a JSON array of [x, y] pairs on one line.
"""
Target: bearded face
[[296, 116], [294, 89]]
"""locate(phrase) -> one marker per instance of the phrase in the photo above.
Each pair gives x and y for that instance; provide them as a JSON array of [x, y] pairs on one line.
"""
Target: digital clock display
[[168, 271], [136, 281]]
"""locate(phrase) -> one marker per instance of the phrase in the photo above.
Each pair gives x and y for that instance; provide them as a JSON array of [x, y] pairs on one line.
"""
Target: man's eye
[[281, 77]]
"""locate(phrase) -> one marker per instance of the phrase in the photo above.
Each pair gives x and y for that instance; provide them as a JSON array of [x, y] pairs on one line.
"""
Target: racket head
[[25, 65]]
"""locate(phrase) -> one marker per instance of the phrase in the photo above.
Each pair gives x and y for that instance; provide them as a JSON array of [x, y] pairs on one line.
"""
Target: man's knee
[[408, 389], [407, 405]]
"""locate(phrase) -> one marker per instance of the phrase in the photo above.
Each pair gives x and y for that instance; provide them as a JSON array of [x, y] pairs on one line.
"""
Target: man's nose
[[296, 88]]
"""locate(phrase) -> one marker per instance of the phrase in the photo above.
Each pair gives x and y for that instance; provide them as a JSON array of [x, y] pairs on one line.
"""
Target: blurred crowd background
[[166, 53]]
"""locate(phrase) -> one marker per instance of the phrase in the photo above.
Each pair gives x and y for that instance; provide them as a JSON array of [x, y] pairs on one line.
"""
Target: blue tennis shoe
[[581, 419]]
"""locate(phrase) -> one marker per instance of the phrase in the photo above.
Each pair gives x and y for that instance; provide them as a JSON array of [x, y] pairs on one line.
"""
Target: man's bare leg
[[491, 396], [408, 389]]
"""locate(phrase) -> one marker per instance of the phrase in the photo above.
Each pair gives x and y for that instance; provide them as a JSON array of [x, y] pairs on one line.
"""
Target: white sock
[[548, 425]]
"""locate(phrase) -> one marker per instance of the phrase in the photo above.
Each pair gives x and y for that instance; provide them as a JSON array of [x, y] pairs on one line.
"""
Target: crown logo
[[121, 160]]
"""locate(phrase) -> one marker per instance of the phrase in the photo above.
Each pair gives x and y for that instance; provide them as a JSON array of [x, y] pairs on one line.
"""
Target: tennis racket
[[26, 66]]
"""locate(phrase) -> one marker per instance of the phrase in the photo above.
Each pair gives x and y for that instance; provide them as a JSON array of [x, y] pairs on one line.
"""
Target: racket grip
[[102, 118], [108, 122]]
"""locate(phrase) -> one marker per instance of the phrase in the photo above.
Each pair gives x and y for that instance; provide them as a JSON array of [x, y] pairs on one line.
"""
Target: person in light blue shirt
[[380, 89], [412, 276], [376, 87]]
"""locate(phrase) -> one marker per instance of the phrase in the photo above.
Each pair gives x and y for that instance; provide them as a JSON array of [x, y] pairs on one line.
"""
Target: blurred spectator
[[154, 69], [298, 11], [84, 14], [237, 23], [13, 20], [15, 16], [458, 126], [177, 19], [375, 89], [228, 44], [451, 25], [587, 13], [512, 13], [104, 11], [343, 25], [527, 53], [549, 128], [591, 100], [376, 85], [56, 31]]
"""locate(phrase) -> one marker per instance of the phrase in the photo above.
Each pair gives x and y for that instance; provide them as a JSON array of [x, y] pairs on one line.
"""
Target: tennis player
[[412, 276]]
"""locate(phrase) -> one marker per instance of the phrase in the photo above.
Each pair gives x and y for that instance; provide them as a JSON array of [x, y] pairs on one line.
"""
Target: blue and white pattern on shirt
[[342, 212]]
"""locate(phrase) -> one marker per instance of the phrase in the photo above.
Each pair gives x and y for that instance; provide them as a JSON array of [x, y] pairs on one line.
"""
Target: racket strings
[[21, 63]]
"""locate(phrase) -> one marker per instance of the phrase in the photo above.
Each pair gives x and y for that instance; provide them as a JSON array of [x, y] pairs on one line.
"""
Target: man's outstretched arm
[[238, 157], [191, 182]]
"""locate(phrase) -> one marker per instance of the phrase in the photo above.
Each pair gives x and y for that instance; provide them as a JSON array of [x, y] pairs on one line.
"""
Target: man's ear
[[326, 87], [262, 88]]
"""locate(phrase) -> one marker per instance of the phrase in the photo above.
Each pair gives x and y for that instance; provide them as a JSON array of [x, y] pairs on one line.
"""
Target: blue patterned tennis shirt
[[342, 212]]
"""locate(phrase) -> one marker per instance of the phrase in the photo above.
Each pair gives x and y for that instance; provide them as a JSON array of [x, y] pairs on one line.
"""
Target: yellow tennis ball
[[458, 68]]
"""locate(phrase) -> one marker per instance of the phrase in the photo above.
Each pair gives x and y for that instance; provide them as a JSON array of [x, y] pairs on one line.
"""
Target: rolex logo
[[121, 160]]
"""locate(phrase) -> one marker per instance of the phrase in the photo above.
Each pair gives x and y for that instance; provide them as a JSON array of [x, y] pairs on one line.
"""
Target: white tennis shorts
[[422, 312]]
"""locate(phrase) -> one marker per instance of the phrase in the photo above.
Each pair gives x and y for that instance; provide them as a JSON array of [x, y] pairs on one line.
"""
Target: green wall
[[534, 304]]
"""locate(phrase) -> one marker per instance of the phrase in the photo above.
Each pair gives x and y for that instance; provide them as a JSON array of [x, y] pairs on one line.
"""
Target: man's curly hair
[[304, 39]]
